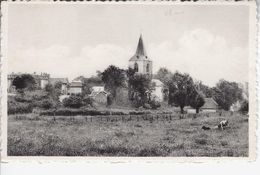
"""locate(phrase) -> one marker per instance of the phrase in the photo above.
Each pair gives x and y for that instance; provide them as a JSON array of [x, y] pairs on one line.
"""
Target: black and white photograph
[[128, 79]]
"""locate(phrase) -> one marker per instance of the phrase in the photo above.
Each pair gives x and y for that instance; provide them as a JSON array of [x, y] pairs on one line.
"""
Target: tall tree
[[164, 75], [88, 83], [227, 93], [114, 78], [180, 87], [24, 81], [196, 99], [140, 87], [206, 90]]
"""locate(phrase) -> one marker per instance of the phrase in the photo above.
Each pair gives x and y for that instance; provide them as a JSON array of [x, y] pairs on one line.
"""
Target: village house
[[99, 94], [210, 106], [64, 84], [75, 87], [157, 92]]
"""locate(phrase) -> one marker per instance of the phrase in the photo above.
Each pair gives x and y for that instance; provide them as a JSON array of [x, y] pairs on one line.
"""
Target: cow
[[223, 124]]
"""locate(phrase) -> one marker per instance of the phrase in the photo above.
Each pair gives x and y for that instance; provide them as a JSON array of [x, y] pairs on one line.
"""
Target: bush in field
[[23, 98], [88, 101], [147, 106], [244, 107], [155, 104], [73, 101], [18, 107], [46, 104]]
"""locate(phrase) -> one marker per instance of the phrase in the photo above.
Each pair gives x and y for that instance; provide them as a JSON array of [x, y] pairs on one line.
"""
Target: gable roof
[[140, 53], [95, 93], [76, 84], [210, 103], [55, 80]]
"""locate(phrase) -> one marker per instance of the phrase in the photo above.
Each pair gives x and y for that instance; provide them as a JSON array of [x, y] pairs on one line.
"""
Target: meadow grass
[[30, 135]]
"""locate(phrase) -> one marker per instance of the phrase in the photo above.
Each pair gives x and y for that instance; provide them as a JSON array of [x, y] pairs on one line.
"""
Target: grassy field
[[153, 135]]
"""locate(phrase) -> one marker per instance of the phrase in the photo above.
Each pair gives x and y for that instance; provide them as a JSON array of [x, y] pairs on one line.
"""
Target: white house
[[158, 89], [75, 87], [98, 88]]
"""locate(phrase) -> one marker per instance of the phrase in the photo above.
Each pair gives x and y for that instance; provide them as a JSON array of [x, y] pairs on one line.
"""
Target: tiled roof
[[76, 84], [94, 93], [210, 103]]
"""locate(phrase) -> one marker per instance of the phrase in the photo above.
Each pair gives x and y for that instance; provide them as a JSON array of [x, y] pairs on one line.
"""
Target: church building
[[142, 64]]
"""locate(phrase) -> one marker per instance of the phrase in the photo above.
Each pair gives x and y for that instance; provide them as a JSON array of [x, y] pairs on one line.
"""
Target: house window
[[147, 68], [136, 67]]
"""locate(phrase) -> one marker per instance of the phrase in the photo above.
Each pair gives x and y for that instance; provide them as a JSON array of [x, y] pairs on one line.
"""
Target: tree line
[[179, 90]]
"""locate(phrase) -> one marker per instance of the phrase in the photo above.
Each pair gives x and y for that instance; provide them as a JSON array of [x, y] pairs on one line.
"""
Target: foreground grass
[[64, 136]]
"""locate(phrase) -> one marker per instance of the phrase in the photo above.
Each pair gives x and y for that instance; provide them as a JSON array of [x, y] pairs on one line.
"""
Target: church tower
[[140, 61]]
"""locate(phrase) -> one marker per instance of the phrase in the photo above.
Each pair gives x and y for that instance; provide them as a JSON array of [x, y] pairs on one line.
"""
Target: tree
[[58, 85], [206, 90], [114, 78], [164, 75], [227, 93], [24, 81], [196, 100], [140, 87], [53, 91], [180, 87]]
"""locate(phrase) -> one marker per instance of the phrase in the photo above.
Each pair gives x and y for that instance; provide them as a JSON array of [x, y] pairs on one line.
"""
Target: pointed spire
[[140, 47]]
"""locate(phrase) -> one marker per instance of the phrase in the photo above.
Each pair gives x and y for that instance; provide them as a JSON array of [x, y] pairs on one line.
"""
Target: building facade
[[75, 87], [140, 62]]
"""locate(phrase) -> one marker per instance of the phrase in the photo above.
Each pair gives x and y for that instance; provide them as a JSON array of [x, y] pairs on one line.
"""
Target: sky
[[208, 42]]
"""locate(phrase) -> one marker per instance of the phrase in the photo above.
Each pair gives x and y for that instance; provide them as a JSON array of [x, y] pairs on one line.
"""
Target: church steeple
[[140, 61], [140, 51]]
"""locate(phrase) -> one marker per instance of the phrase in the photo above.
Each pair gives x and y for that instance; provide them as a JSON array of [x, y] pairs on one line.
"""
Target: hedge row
[[92, 112]]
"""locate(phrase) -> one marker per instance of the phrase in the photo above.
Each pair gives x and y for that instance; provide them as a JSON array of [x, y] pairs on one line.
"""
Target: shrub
[[17, 107], [244, 107], [46, 104], [23, 99], [155, 104], [147, 106], [88, 101], [73, 101]]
